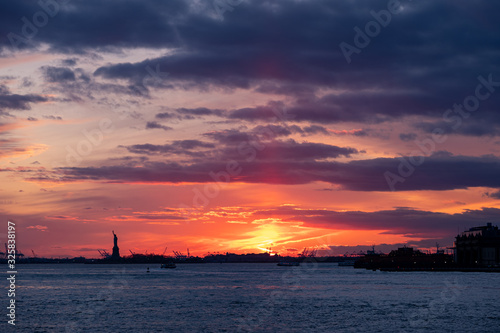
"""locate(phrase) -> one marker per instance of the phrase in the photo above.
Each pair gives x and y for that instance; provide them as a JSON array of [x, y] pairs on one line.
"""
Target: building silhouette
[[479, 246]]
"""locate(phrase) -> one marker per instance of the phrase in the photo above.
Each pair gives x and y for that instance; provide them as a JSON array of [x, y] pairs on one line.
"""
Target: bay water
[[314, 297]]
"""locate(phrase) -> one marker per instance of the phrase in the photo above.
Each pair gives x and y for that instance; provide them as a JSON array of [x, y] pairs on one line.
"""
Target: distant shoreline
[[385, 269]]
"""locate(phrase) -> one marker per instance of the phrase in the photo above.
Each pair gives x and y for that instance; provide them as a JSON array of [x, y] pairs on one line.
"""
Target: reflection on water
[[252, 298]]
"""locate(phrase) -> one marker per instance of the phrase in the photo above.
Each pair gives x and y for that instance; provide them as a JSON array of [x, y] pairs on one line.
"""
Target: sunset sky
[[238, 126]]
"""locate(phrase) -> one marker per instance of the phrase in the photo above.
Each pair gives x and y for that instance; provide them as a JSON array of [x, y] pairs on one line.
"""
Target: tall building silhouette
[[479, 246]]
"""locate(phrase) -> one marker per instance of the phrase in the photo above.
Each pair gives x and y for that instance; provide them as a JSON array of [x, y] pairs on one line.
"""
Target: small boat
[[289, 263], [168, 265]]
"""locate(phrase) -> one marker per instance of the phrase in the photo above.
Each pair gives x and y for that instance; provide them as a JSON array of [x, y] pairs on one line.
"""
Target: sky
[[240, 126]]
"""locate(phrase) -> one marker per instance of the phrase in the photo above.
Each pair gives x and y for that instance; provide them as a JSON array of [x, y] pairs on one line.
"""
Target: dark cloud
[[231, 149], [402, 221], [27, 82], [77, 27], [263, 133], [494, 195], [357, 132], [294, 163], [156, 125], [288, 150], [180, 147], [286, 53], [51, 117], [441, 171], [369, 107], [289, 89], [69, 62], [186, 113], [199, 112], [31, 119], [233, 136], [192, 144], [17, 102], [316, 129], [165, 115], [377, 87], [262, 138], [272, 131], [58, 74], [467, 127], [407, 136]]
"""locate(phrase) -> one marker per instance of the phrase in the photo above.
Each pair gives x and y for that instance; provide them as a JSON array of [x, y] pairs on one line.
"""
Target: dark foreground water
[[251, 298]]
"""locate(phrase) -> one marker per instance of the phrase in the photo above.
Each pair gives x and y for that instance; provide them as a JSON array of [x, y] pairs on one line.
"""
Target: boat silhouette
[[168, 265]]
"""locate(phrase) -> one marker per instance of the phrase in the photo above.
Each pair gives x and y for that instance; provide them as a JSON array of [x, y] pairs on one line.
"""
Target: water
[[251, 298]]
